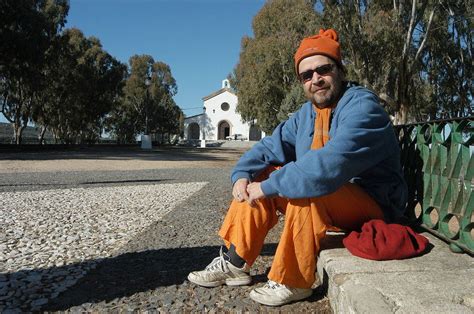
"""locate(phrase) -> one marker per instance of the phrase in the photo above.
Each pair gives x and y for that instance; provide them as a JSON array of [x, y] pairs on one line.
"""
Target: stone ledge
[[438, 282]]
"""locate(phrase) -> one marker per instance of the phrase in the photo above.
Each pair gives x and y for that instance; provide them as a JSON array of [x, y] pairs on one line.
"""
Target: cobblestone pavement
[[121, 241]]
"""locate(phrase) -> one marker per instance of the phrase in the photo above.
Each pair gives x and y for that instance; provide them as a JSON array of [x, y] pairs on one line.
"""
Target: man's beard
[[330, 97]]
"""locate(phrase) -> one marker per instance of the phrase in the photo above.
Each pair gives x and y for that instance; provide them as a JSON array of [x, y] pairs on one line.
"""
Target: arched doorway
[[255, 134], [223, 130], [193, 131]]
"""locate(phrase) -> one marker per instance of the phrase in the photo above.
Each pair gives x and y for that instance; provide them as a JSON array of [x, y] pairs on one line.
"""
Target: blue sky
[[198, 39]]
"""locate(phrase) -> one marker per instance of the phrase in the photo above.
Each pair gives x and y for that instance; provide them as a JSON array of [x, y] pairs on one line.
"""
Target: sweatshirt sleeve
[[277, 149], [358, 144]]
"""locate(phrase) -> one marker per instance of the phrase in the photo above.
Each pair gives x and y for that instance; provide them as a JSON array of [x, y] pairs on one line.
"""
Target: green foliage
[[82, 84], [265, 73], [292, 102], [417, 55], [450, 61], [147, 105], [27, 29], [42, 71], [168, 116]]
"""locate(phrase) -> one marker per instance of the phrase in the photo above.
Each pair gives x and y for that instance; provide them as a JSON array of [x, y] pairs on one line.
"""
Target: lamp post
[[146, 138]]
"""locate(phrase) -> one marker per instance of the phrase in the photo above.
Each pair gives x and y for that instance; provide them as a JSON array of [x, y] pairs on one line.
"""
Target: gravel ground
[[121, 241], [55, 228]]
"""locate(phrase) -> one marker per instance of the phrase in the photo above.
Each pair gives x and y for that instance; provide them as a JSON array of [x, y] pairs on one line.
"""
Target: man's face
[[322, 89]]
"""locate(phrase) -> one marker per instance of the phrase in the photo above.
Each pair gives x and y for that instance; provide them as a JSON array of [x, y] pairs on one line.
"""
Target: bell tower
[[225, 83]]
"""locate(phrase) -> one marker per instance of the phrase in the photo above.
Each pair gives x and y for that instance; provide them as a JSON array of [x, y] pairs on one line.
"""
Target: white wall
[[194, 119], [214, 115]]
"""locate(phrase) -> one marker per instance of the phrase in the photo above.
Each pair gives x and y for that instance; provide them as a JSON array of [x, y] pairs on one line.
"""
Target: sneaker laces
[[272, 284], [218, 264]]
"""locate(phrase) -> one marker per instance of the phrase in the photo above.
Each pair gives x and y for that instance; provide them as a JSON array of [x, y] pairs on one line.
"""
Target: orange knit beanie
[[325, 43]]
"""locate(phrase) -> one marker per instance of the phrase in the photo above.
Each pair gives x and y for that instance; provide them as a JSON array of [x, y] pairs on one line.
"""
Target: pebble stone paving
[[121, 247]]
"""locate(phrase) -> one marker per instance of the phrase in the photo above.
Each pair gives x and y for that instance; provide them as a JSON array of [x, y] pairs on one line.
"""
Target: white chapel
[[219, 120]]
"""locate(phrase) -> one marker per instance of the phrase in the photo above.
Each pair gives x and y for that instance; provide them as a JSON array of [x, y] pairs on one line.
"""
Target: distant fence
[[438, 163], [30, 135]]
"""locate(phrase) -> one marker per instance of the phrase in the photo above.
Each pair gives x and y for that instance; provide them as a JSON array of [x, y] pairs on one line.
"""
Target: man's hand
[[255, 192], [239, 191]]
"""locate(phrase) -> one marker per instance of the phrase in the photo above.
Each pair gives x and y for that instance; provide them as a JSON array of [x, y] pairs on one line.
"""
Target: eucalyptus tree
[[169, 117], [120, 123], [101, 78], [27, 28], [82, 85], [265, 74], [449, 60], [57, 87], [147, 93], [417, 55]]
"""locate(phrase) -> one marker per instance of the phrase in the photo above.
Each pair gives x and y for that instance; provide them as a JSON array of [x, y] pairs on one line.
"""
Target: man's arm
[[277, 149]]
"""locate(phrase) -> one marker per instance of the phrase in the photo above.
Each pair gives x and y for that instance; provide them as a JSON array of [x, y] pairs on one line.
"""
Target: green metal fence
[[438, 162]]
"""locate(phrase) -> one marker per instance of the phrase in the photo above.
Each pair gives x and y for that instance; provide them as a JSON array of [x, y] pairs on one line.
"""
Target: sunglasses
[[321, 70]]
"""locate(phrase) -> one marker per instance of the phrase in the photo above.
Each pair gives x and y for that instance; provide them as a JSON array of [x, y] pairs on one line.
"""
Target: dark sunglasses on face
[[321, 70]]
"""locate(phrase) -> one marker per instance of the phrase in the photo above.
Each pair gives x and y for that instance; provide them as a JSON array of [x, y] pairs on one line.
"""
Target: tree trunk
[[18, 131], [401, 116], [41, 138]]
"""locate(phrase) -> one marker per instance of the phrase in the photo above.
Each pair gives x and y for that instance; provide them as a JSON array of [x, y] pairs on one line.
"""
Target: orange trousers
[[306, 223]]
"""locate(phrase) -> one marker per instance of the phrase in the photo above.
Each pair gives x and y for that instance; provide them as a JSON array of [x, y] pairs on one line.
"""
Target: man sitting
[[334, 163]]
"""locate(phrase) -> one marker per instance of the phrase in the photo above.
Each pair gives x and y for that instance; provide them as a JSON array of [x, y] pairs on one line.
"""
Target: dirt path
[[105, 159]]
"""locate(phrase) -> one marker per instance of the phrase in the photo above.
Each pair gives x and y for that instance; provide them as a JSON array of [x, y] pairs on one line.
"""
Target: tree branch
[[422, 45], [359, 15], [410, 30], [4, 104]]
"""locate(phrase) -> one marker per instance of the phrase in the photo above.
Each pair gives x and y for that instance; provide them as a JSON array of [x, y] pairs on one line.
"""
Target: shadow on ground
[[90, 183], [130, 273], [120, 153]]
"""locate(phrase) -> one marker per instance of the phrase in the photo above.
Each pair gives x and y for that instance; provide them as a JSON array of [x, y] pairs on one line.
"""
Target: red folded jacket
[[381, 241]]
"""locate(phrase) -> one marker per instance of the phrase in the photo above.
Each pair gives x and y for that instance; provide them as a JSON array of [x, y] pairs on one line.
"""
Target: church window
[[225, 106]]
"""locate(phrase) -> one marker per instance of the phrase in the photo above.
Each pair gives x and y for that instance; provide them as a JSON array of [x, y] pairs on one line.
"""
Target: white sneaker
[[275, 294], [219, 272]]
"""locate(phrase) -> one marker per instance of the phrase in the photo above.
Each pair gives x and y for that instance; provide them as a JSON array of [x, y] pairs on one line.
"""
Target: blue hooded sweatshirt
[[362, 149]]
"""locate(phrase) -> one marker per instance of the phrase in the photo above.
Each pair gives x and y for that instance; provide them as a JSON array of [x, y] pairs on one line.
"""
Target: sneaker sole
[[228, 281], [238, 281], [279, 303]]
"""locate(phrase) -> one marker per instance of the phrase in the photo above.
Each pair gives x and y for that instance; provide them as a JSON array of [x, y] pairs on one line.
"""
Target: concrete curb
[[438, 282]]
